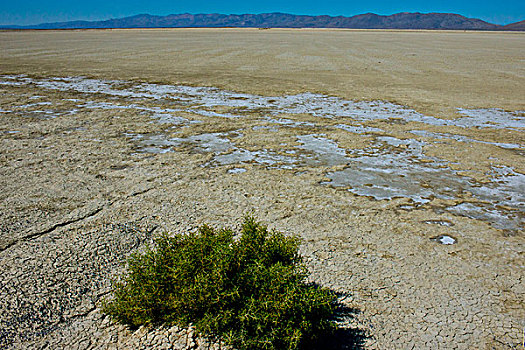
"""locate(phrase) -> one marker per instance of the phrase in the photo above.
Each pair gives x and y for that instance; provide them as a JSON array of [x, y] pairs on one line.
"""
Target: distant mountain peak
[[515, 26]]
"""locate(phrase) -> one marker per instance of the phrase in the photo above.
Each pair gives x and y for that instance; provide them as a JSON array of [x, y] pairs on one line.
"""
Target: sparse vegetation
[[250, 291]]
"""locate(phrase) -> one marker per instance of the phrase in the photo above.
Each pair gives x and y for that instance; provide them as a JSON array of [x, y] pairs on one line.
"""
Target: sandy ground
[[84, 184], [434, 72]]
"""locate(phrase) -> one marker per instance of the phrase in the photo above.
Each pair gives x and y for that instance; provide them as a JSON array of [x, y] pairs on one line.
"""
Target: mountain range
[[402, 20]]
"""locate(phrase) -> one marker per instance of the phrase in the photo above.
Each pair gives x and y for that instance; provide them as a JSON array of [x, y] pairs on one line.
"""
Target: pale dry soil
[[434, 72], [81, 190]]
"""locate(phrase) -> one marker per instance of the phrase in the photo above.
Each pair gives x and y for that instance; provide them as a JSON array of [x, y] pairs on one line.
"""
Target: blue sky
[[37, 11]]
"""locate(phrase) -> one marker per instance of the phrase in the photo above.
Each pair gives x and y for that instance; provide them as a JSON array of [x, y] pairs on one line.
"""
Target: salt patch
[[497, 217], [317, 105], [384, 173], [271, 158], [107, 105], [324, 151], [29, 105], [213, 143], [43, 115], [169, 119], [236, 170], [407, 207], [444, 239], [265, 127], [156, 150], [12, 83], [237, 156], [439, 222], [163, 115], [461, 138], [411, 143], [506, 188], [289, 122], [491, 118]]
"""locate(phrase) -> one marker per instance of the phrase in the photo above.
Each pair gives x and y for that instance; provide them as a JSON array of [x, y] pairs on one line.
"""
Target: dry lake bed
[[397, 156]]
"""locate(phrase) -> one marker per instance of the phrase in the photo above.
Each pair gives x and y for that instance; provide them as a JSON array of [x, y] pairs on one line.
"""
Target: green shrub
[[251, 291]]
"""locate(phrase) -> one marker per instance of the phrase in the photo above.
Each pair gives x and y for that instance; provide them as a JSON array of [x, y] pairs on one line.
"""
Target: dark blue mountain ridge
[[402, 20]]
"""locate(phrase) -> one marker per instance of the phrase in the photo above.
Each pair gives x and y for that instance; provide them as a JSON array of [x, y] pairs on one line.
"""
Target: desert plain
[[397, 157]]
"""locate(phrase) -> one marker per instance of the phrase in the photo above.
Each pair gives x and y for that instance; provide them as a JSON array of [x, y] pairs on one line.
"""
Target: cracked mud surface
[[88, 177]]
